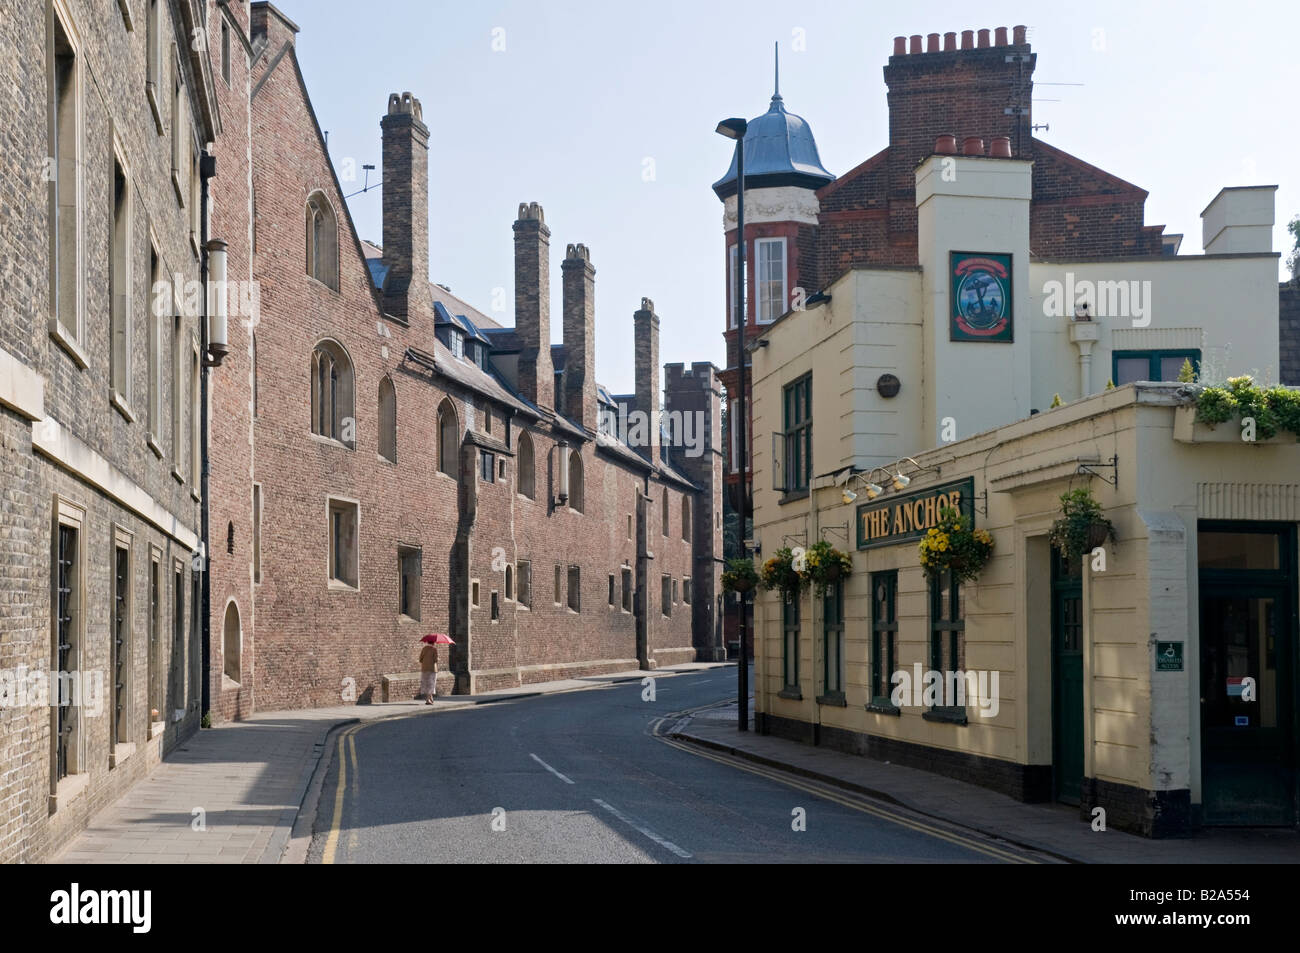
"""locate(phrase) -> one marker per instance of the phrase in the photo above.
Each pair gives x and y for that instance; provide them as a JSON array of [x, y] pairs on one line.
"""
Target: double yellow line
[[332, 842], [843, 799]]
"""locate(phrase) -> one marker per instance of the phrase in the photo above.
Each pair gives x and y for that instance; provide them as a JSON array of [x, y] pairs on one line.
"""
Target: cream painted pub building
[[1156, 680]]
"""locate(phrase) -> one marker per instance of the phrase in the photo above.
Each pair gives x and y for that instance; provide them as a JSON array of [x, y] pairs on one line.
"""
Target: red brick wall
[[310, 636]]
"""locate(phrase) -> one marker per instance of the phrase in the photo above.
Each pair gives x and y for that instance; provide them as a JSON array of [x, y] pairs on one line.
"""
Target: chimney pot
[[946, 145], [950, 41], [972, 146], [916, 43], [932, 43], [984, 38], [968, 39], [1018, 35], [1000, 36], [900, 45], [1000, 147]]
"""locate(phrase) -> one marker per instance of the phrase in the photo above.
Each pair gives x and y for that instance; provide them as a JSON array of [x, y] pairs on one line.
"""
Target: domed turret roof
[[779, 150]]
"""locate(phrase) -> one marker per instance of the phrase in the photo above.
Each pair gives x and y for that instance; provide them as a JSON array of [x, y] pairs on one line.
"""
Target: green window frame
[[790, 642], [884, 635], [797, 419], [947, 635], [1155, 360], [833, 645]]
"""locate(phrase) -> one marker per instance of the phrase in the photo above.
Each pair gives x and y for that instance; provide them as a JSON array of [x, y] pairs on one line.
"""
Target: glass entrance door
[[1247, 691]]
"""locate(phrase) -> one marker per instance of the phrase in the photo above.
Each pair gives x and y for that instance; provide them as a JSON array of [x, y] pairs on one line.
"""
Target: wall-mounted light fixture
[[218, 340]]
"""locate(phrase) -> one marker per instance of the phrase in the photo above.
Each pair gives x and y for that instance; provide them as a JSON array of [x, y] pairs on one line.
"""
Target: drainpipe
[[1083, 334], [213, 348]]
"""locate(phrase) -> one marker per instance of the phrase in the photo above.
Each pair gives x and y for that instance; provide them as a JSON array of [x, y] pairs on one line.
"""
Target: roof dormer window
[[457, 343]]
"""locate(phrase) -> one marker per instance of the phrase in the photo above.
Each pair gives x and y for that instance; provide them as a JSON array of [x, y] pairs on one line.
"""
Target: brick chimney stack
[[983, 89], [579, 378], [646, 334], [533, 306], [406, 209]]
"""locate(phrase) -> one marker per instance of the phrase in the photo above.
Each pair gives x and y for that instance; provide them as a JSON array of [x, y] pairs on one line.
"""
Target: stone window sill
[[176, 474], [65, 339], [156, 728], [793, 496], [152, 443], [151, 94], [330, 441], [69, 789], [833, 698], [121, 406], [952, 716], [883, 708], [336, 585], [793, 694], [120, 753]]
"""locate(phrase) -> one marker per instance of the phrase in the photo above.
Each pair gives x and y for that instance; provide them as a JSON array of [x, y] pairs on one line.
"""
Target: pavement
[[1053, 829], [231, 794]]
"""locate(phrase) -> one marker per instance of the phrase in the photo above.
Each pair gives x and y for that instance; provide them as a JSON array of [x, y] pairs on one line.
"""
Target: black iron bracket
[[840, 528], [1113, 466]]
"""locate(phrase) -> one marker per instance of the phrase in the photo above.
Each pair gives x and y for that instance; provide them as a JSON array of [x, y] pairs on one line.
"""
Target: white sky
[[1179, 98]]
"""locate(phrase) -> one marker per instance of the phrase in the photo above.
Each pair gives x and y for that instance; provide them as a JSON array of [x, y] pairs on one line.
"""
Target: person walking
[[429, 669]]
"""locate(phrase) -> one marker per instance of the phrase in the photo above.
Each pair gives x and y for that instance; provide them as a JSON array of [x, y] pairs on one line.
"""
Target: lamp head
[[733, 128]]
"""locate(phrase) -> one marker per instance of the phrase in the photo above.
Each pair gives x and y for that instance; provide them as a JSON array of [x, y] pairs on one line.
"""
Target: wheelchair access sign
[[1169, 656]]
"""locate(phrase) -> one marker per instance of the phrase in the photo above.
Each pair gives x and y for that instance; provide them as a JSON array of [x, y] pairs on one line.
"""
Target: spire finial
[[776, 59]]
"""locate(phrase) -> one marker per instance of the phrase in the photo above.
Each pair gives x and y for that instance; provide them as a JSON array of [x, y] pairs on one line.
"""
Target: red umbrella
[[438, 638]]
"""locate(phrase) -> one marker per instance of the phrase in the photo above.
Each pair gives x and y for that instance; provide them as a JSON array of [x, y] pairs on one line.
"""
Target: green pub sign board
[[897, 519], [981, 297]]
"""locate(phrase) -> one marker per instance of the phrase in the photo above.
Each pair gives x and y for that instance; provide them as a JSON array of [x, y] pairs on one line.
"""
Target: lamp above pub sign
[[897, 519]]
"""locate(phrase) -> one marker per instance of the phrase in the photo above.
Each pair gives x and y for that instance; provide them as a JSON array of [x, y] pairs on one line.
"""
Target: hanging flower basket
[[739, 576], [952, 546], [1081, 527], [824, 564], [779, 573]]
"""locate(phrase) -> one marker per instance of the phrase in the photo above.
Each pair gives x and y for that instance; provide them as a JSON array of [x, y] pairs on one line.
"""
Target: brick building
[[811, 227], [107, 108], [414, 466]]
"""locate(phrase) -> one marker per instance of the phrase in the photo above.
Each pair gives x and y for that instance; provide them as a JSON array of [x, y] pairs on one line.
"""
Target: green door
[[1067, 678], [1247, 650]]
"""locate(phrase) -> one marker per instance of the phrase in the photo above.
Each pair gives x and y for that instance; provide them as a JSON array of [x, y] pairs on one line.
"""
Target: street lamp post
[[735, 129]]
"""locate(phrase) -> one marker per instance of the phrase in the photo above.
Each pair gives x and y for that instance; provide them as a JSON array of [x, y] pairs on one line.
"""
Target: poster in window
[[981, 297]]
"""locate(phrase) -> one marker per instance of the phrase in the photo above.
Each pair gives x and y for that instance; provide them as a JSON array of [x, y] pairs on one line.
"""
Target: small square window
[[559, 583], [575, 588], [666, 595], [524, 587], [611, 589], [409, 563], [343, 558], [627, 589], [686, 590], [496, 606], [487, 466], [473, 593]]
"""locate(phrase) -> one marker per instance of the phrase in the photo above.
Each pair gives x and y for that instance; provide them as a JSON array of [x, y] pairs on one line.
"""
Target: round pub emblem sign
[[981, 297]]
